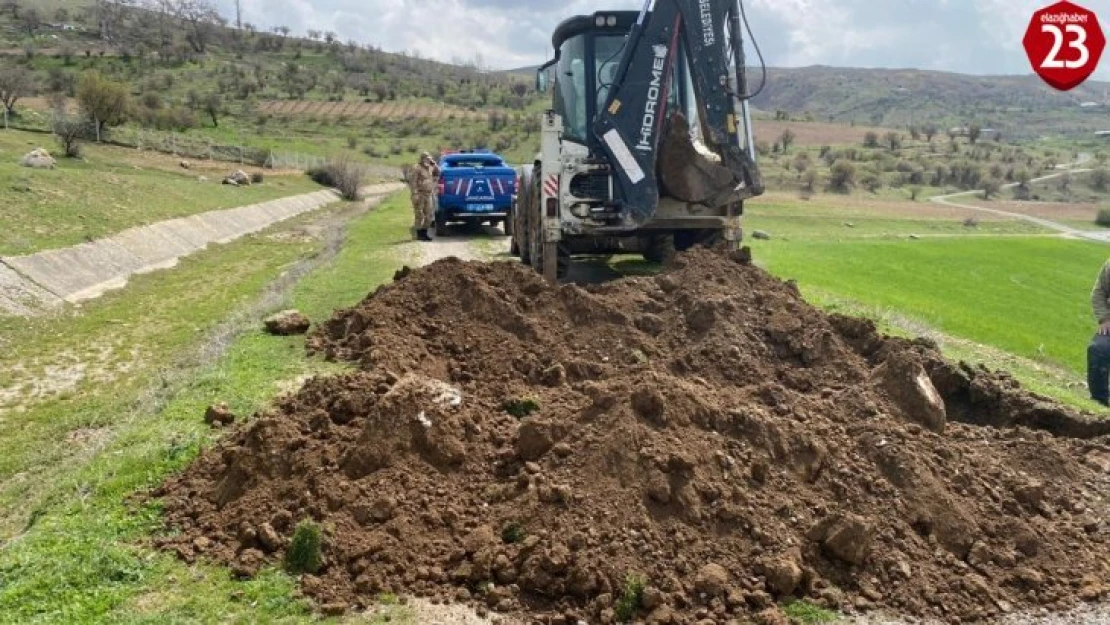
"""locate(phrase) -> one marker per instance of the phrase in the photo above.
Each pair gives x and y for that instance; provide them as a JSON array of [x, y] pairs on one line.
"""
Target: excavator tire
[[660, 249], [694, 238]]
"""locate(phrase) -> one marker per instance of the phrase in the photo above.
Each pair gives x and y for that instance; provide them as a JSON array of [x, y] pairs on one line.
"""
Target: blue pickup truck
[[474, 187]]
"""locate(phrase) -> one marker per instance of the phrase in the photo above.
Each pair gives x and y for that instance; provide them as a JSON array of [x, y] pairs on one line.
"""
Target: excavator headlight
[[599, 20], [611, 21]]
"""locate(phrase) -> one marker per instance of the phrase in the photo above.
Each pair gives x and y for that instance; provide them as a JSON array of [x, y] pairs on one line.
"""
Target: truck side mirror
[[541, 81]]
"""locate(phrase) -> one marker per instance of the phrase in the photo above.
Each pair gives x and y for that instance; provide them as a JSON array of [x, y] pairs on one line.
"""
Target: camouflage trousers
[[423, 210]]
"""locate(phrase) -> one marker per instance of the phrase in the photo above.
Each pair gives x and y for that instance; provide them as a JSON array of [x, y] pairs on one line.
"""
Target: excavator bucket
[[700, 176]]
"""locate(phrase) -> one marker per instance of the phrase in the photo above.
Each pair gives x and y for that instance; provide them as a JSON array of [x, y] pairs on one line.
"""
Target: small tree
[[15, 83], [787, 139], [991, 188], [809, 181], [974, 131], [894, 140], [32, 21], [915, 191], [871, 139], [801, 162], [842, 176], [214, 108], [915, 132], [930, 131], [872, 182], [1100, 180], [104, 102], [70, 130]]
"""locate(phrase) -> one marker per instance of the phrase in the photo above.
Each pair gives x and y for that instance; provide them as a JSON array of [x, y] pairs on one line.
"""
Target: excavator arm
[[648, 140]]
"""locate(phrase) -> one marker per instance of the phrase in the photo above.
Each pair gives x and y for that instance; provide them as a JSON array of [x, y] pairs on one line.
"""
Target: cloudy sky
[[970, 36]]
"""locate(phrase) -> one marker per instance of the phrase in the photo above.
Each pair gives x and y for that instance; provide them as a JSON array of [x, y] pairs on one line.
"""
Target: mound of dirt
[[529, 449]]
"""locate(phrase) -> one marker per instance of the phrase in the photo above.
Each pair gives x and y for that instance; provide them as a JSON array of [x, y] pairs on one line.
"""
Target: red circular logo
[[1064, 43]]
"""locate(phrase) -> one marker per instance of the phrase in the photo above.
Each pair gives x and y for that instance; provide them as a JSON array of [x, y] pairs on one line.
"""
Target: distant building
[[1105, 134]]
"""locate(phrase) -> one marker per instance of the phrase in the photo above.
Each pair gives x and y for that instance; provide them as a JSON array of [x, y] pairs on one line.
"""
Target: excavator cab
[[587, 59]]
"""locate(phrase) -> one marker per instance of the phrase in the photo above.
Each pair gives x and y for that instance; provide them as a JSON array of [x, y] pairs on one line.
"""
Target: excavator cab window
[[588, 64], [572, 81]]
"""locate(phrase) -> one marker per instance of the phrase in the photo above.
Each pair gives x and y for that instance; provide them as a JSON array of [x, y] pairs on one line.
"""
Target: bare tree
[[200, 20], [15, 83], [787, 139], [32, 21], [239, 14], [214, 107], [974, 131], [10, 6], [108, 16]]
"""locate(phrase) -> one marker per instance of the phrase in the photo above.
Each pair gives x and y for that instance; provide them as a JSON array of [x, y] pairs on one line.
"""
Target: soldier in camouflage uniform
[[1098, 352], [424, 175]]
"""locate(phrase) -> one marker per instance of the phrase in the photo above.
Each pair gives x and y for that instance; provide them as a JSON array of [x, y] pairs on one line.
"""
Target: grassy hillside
[[270, 90], [112, 189]]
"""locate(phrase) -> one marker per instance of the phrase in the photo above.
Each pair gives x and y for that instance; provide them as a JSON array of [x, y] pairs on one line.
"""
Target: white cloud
[[972, 36]]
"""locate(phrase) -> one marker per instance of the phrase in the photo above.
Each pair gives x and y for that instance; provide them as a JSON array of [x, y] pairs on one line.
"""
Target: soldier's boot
[[422, 235]]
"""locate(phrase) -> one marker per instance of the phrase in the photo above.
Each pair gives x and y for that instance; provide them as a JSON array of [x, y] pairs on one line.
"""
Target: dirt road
[[1074, 168]]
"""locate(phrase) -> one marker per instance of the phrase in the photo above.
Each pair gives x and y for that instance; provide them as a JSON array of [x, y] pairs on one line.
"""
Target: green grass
[[84, 559], [807, 613], [1027, 296], [106, 193]]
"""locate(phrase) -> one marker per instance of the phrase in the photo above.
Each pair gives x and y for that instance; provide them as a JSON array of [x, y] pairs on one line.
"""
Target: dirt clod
[[705, 431], [219, 415], [287, 323]]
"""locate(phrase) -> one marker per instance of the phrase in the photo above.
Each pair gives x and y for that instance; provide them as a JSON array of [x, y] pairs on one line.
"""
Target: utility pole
[[239, 14]]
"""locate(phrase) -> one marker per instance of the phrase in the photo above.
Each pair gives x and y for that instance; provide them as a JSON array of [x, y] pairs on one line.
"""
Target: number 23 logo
[[1052, 61], [1064, 43]]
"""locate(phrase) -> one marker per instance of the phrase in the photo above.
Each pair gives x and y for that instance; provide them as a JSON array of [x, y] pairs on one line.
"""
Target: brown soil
[[705, 429], [816, 133]]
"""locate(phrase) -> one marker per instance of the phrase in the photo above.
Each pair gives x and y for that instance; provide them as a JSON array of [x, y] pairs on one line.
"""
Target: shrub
[[512, 533], [70, 130], [521, 408], [842, 176], [304, 555], [632, 599], [871, 140], [1100, 179], [1103, 217], [341, 173]]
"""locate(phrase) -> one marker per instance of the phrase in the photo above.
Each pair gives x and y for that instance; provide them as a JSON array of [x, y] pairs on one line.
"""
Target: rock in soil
[[219, 415], [287, 323], [739, 424]]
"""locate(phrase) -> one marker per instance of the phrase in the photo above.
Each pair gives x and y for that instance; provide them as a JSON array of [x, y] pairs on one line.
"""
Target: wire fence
[[189, 146]]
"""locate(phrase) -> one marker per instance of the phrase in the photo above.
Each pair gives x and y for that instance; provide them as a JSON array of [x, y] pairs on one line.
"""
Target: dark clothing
[[1098, 369]]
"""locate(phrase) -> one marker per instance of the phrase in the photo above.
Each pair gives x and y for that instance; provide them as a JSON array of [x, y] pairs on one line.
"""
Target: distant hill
[[1018, 106]]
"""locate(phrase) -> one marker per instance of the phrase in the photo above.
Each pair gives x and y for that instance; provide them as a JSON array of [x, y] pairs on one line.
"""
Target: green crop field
[[1026, 296]]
